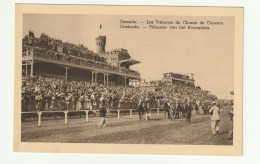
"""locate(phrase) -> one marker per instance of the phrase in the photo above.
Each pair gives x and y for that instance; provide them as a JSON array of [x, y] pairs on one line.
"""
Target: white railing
[[39, 113]]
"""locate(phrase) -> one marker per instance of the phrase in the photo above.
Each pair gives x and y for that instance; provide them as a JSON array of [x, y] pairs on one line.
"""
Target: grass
[[129, 131]]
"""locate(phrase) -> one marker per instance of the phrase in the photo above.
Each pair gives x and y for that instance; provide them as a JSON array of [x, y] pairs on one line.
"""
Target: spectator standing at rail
[[188, 111], [147, 108], [25, 101], [79, 100], [102, 114], [166, 110], [196, 108], [109, 100], [231, 114], [38, 101], [206, 108], [215, 118], [87, 105], [203, 107], [181, 109], [177, 112], [31, 101], [184, 112], [92, 99], [67, 99], [172, 111]]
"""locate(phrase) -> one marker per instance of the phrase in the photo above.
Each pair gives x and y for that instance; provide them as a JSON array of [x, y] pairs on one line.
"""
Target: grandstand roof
[[128, 62]]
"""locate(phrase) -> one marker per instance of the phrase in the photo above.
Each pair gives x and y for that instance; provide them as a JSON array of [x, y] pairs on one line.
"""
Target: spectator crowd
[[48, 92]]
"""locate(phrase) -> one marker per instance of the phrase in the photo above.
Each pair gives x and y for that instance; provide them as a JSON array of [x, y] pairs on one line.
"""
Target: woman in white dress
[[93, 101], [87, 102], [79, 105]]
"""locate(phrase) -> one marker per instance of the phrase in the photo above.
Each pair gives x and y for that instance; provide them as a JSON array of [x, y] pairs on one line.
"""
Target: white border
[[251, 89]]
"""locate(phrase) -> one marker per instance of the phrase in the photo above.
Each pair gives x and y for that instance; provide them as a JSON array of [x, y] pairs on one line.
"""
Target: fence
[[39, 113]]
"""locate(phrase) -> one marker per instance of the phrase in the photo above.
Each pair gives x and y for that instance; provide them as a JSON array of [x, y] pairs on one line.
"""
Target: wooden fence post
[[130, 113], [118, 114], [86, 116], [66, 115], [39, 118]]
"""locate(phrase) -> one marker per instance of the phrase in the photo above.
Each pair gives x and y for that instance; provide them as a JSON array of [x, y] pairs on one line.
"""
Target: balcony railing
[[83, 62]]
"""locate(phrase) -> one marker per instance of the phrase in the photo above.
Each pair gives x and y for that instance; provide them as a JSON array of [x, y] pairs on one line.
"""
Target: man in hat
[[171, 109], [147, 108], [102, 112], [215, 118], [178, 109], [166, 110], [140, 109], [188, 109]]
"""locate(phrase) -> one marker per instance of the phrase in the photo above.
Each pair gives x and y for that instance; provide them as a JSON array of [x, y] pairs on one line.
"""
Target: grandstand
[[176, 78], [50, 55]]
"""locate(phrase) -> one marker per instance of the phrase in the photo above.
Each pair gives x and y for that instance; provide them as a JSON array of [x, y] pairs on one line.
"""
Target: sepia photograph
[[107, 77]]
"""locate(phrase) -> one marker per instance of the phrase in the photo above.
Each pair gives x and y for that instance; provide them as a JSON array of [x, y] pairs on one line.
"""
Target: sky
[[208, 54]]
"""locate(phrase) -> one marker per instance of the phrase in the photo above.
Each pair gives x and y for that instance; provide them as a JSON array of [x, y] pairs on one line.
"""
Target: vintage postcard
[[128, 79]]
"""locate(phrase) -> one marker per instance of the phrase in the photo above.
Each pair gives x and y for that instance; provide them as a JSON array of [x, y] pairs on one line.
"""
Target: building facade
[[176, 78]]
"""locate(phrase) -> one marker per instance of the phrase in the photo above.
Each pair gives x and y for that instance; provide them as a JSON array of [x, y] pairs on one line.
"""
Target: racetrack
[[129, 131]]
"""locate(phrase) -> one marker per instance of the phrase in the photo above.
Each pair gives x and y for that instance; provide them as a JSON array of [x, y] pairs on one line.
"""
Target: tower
[[101, 43]]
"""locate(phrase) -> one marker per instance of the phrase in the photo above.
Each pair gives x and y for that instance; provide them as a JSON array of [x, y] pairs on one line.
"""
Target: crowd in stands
[[53, 49], [54, 46], [47, 92]]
